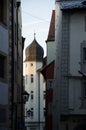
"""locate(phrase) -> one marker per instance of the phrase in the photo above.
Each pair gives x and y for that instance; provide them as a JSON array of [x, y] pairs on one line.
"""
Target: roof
[[34, 52], [48, 68], [51, 34], [71, 4], [45, 67]]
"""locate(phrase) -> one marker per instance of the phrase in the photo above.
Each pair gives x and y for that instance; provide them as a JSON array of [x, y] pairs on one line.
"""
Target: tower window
[[32, 78], [31, 64], [32, 112], [31, 95]]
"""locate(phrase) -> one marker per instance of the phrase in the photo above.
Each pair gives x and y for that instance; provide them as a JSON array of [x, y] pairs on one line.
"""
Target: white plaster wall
[[77, 36], [51, 51], [3, 93], [3, 39], [34, 87]]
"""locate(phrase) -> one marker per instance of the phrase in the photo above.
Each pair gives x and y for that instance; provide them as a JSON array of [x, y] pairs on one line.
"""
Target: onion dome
[[34, 52]]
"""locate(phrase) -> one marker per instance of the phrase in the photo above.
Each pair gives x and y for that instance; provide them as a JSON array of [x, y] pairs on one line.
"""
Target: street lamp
[[25, 96]]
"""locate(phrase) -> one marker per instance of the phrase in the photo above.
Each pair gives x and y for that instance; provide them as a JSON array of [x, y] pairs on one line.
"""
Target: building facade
[[35, 86], [50, 42], [11, 59], [69, 109], [48, 72], [4, 52]]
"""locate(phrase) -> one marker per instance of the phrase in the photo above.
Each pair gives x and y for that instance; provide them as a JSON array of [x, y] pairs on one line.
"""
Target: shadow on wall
[[80, 127]]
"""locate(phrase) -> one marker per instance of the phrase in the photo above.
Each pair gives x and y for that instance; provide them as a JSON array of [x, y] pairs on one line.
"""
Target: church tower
[[35, 86]]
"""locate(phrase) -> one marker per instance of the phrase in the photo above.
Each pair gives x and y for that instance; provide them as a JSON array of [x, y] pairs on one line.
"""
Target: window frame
[[32, 112], [50, 83], [32, 95]]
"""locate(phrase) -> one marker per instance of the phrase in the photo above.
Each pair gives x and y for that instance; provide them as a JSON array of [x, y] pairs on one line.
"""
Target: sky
[[36, 16]]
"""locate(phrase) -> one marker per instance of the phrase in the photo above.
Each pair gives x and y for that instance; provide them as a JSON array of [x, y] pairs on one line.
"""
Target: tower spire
[[34, 35]]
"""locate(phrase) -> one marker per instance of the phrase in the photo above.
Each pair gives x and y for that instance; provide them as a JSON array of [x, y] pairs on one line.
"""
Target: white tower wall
[[37, 88]]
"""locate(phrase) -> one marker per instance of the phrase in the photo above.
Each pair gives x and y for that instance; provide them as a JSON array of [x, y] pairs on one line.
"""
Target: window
[[44, 94], [31, 95], [32, 112], [28, 113], [49, 83], [84, 54], [31, 78], [31, 64], [3, 11], [3, 68]]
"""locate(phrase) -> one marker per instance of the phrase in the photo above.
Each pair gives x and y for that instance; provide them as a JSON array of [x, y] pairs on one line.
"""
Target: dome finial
[[34, 35]]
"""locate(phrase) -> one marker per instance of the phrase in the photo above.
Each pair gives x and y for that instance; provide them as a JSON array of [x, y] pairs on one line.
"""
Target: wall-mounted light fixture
[[25, 96]]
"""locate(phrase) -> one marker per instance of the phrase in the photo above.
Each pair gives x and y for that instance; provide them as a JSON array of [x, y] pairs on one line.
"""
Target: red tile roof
[[51, 34]]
